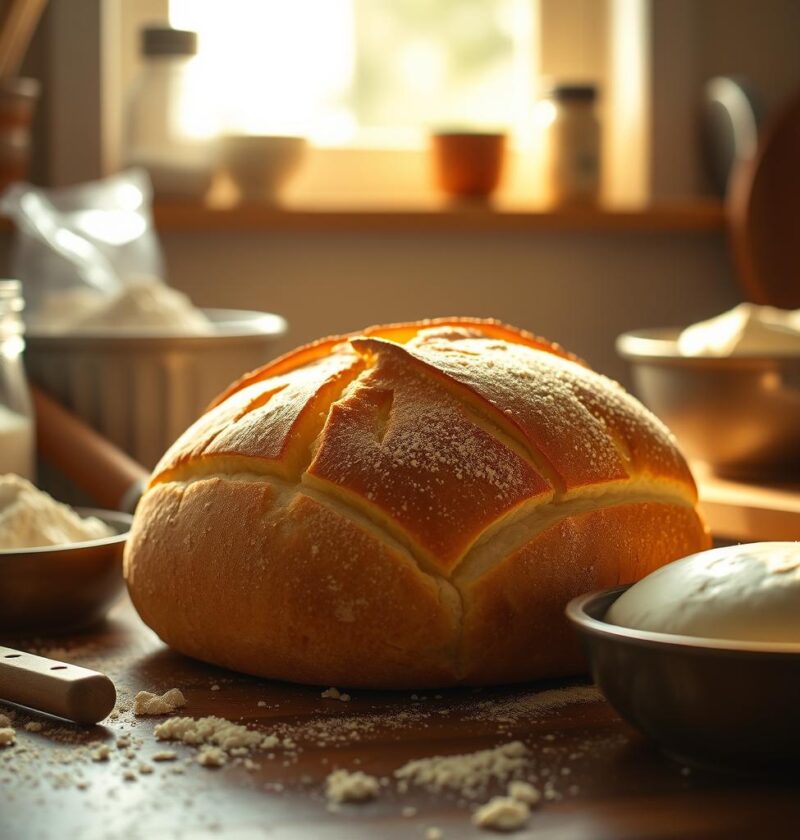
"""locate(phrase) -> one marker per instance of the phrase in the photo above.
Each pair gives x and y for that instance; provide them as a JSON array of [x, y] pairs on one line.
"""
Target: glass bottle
[[170, 123], [571, 145], [16, 410]]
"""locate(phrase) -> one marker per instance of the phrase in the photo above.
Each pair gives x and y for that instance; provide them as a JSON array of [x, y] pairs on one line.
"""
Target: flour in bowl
[[29, 518], [144, 304]]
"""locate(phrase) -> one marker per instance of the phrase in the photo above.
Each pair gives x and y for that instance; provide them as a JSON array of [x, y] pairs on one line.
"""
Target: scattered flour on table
[[469, 774], [524, 792], [30, 518], [212, 731], [502, 813], [344, 786], [146, 703], [211, 756]]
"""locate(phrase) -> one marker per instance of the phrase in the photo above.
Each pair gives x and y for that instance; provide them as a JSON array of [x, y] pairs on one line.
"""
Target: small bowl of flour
[[60, 568]]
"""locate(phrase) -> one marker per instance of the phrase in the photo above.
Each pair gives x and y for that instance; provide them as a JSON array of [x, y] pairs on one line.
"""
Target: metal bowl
[[739, 414], [709, 702], [65, 587], [142, 390]]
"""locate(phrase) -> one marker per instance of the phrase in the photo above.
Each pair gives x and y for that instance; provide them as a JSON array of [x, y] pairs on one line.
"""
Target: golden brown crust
[[514, 618], [401, 333], [275, 583], [325, 519]]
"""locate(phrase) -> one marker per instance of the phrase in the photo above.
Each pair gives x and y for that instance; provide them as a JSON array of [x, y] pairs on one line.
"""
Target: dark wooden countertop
[[608, 782]]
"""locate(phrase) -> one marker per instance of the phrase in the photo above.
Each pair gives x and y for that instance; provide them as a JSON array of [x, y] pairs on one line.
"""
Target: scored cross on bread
[[408, 506]]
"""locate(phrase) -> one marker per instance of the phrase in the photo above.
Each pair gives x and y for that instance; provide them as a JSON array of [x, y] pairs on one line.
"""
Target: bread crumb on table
[[524, 792], [5, 721], [433, 833], [101, 753], [34, 726], [155, 704], [502, 813], [333, 693], [165, 755], [7, 736], [211, 756], [344, 786]]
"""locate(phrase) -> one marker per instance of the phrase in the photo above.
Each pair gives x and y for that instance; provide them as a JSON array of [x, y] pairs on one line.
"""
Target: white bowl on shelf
[[261, 165]]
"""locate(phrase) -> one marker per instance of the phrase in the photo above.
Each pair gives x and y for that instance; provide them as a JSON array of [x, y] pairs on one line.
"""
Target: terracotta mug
[[468, 164]]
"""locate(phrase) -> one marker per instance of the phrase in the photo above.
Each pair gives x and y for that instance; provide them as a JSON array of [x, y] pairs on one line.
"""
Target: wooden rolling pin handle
[[58, 688], [107, 474]]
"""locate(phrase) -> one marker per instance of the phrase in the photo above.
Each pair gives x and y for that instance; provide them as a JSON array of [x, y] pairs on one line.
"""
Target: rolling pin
[[115, 481], [106, 473], [58, 688]]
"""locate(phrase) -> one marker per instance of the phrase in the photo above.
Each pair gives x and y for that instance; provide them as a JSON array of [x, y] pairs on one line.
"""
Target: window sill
[[694, 215]]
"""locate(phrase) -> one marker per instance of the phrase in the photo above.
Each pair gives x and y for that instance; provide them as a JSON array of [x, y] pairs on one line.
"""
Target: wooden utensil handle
[[98, 467], [57, 688]]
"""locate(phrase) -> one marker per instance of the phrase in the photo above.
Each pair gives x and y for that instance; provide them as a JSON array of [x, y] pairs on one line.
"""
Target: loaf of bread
[[409, 506]]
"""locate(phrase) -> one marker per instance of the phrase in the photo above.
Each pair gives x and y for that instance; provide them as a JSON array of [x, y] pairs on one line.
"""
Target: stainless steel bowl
[[709, 702], [740, 415], [141, 391], [65, 587]]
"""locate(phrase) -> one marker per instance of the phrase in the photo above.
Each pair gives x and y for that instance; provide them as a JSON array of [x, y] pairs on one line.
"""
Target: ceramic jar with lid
[[172, 119], [571, 144], [16, 411]]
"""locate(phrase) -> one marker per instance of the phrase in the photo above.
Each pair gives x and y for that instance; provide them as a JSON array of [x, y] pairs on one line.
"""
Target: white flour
[[29, 517], [16, 443], [144, 304]]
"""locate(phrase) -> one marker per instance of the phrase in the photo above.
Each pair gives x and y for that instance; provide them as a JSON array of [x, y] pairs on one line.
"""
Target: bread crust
[[410, 506]]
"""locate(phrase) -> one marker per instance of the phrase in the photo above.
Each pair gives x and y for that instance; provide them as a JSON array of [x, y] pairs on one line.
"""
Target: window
[[365, 72]]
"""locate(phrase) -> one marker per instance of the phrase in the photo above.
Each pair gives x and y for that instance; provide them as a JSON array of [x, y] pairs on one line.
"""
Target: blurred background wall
[[578, 287]]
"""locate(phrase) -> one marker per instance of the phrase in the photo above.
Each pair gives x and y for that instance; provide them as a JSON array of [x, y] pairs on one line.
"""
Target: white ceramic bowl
[[260, 165]]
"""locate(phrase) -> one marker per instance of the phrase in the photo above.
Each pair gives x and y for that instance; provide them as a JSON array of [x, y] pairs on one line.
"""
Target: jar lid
[[164, 40], [573, 92], [11, 295]]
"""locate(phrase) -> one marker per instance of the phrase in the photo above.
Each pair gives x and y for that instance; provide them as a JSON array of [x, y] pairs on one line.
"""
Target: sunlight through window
[[364, 71]]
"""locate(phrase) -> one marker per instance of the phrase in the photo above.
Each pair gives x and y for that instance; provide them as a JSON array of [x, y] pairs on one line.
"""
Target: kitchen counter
[[604, 780]]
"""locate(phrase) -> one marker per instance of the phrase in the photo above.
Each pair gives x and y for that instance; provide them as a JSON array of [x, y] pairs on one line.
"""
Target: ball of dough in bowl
[[408, 506], [747, 593]]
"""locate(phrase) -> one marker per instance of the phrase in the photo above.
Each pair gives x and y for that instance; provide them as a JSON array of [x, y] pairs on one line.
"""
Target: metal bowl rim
[[658, 344], [113, 518], [576, 611], [247, 324]]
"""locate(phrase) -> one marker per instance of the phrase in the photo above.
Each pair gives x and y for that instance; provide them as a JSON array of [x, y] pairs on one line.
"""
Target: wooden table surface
[[607, 781]]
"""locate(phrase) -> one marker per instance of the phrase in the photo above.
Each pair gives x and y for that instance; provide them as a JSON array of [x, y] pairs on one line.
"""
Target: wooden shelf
[[748, 512], [689, 216]]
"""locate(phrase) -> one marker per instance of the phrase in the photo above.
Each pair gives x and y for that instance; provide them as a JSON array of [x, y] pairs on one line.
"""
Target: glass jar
[[571, 145], [16, 410], [171, 121]]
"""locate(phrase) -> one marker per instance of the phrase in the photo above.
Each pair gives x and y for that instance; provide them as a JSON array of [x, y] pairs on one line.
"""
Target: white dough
[[745, 330], [745, 592]]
